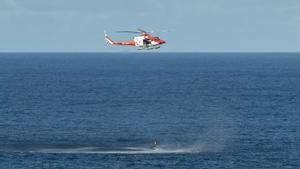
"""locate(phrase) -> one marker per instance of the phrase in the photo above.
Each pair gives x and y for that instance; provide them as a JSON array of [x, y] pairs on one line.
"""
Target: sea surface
[[106, 110]]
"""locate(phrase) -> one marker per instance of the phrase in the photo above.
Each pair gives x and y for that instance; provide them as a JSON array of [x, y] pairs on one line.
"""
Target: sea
[[107, 110]]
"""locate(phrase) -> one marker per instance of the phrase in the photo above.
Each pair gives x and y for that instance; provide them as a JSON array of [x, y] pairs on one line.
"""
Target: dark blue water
[[105, 110]]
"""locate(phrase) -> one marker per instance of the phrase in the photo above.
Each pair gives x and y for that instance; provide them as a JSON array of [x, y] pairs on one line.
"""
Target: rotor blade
[[141, 30], [136, 32], [128, 32]]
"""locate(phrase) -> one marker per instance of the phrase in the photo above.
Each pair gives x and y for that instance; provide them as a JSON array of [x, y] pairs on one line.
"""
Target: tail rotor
[[107, 39]]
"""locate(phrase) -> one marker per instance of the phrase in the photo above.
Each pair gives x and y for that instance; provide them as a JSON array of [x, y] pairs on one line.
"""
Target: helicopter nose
[[162, 42]]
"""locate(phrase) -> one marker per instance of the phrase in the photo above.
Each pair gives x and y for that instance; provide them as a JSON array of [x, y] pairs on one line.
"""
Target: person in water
[[155, 145]]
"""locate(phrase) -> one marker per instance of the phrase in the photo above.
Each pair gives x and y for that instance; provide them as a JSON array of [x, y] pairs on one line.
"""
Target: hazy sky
[[193, 25]]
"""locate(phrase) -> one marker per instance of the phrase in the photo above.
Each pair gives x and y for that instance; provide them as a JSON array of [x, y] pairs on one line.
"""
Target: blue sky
[[192, 25]]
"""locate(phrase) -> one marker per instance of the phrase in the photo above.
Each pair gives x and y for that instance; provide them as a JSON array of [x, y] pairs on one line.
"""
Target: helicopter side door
[[139, 41]]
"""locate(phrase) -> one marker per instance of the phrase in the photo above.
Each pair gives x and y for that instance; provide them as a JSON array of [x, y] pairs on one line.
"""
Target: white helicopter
[[145, 41]]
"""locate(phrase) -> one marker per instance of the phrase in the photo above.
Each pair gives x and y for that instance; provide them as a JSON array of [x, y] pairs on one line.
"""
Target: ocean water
[[105, 110]]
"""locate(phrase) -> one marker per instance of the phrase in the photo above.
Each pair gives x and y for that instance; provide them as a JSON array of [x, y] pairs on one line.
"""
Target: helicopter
[[145, 41]]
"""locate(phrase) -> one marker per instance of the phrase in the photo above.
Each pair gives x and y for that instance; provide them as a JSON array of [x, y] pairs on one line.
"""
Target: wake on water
[[102, 150], [156, 148]]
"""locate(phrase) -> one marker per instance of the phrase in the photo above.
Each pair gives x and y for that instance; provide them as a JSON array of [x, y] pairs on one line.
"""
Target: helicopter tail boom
[[110, 41]]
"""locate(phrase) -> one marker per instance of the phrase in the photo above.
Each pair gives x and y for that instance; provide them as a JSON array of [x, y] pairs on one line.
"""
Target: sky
[[187, 26]]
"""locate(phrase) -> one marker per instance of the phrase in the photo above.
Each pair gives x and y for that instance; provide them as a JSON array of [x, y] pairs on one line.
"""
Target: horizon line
[[16, 52]]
